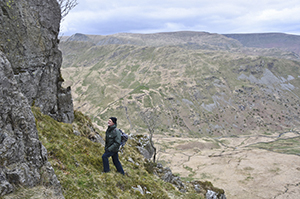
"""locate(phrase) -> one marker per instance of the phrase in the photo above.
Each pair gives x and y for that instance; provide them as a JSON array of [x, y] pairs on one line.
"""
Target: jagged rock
[[142, 190], [213, 195], [197, 188], [5, 186], [76, 132], [209, 190], [29, 39], [88, 131], [94, 135], [132, 161], [159, 165], [29, 75], [144, 146], [166, 175], [23, 158]]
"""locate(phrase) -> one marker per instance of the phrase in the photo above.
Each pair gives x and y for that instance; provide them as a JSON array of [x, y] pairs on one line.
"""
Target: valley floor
[[233, 164]]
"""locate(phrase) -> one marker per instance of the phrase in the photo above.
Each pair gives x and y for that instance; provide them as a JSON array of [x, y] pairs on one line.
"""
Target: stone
[[211, 194], [197, 188]]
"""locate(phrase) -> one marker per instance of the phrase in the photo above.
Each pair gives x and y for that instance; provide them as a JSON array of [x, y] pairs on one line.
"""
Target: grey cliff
[[29, 38], [23, 158], [29, 75]]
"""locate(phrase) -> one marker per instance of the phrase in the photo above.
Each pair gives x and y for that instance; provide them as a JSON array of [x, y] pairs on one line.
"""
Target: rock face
[[29, 39], [29, 75], [23, 159]]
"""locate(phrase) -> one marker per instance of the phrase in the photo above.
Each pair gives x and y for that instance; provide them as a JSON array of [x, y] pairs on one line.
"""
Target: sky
[[105, 17]]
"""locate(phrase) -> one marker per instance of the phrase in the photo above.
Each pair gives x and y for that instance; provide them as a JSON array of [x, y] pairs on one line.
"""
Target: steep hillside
[[78, 165], [196, 91]]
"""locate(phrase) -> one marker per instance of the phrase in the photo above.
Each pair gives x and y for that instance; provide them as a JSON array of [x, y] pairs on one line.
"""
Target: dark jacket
[[112, 139]]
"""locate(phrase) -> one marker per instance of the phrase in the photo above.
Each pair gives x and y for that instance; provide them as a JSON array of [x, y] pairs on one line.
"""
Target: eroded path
[[231, 163]]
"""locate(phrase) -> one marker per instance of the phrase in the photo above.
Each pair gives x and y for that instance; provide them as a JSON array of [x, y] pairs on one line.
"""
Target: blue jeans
[[115, 158]]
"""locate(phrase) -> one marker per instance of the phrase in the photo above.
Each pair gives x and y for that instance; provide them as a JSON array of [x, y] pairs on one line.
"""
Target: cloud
[[218, 16]]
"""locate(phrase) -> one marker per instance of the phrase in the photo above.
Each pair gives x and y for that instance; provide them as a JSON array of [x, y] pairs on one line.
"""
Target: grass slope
[[78, 165]]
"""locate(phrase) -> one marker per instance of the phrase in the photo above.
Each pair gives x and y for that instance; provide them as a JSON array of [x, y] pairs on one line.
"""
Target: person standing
[[112, 145]]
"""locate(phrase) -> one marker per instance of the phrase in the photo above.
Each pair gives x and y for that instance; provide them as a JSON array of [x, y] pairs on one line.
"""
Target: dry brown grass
[[242, 171], [197, 145]]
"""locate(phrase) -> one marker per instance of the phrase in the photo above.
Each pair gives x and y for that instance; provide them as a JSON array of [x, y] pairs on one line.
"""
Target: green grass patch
[[287, 146], [139, 89]]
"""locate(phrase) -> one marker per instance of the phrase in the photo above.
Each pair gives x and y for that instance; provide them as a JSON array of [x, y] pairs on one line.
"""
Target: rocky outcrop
[[29, 39], [29, 75], [23, 159], [144, 146], [166, 175], [206, 188]]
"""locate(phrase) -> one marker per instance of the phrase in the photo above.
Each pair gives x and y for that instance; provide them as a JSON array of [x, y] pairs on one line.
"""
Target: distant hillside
[[200, 83], [267, 44], [200, 40], [281, 41]]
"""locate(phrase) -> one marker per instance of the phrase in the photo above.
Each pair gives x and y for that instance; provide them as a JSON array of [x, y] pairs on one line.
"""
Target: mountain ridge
[[159, 39], [279, 45], [283, 41]]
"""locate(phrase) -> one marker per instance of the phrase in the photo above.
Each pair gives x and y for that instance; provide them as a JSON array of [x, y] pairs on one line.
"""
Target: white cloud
[[219, 16], [284, 15]]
